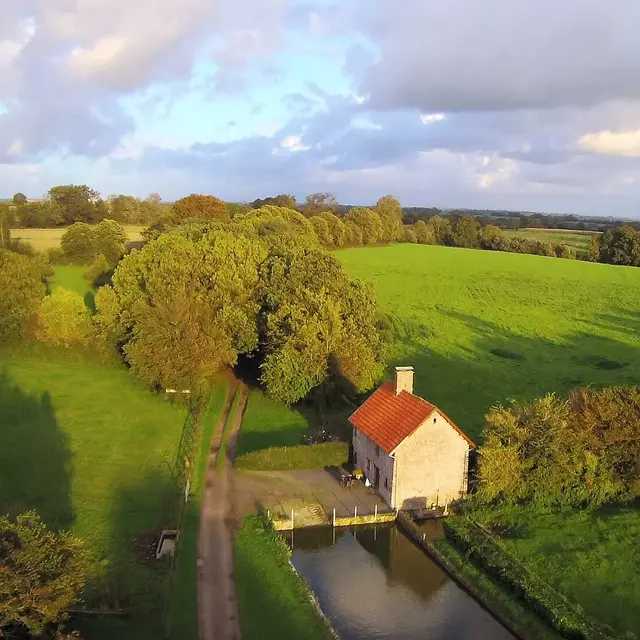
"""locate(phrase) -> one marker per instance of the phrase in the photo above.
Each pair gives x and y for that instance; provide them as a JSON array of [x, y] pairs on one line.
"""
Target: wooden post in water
[[291, 519], [334, 517], [355, 511], [375, 513]]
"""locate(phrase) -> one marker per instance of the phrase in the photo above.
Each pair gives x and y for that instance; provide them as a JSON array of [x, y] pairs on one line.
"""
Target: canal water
[[374, 583]]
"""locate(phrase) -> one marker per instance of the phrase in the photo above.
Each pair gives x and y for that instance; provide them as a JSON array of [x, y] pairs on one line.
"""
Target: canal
[[374, 583]]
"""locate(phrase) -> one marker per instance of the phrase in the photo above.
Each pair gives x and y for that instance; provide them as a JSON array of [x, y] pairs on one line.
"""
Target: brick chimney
[[404, 379]]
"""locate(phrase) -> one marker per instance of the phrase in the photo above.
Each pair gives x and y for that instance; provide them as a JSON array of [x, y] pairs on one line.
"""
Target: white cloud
[[430, 118], [624, 143], [293, 143], [16, 147]]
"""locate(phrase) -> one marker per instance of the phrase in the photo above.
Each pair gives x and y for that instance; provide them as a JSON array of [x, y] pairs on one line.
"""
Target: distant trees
[[19, 199], [21, 291], [200, 206], [281, 200], [390, 211], [42, 574], [317, 203], [74, 203], [368, 222], [577, 451], [465, 232], [425, 234]]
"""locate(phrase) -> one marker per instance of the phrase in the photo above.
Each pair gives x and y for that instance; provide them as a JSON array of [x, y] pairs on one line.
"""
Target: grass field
[[590, 556], [576, 240], [273, 601], [43, 239], [90, 449], [481, 327]]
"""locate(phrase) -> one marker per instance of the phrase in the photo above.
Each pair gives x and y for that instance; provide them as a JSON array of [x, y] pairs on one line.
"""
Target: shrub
[[63, 319], [99, 273], [79, 243], [56, 256], [541, 597], [409, 235]]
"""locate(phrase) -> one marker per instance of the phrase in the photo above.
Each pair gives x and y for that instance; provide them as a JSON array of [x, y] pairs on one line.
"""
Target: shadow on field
[[35, 459], [501, 365]]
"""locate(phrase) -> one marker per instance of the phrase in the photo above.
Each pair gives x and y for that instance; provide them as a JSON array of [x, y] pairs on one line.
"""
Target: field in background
[[91, 450], [576, 240], [43, 239], [481, 327]]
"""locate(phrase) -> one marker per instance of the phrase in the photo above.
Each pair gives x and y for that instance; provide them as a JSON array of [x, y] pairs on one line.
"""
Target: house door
[[376, 477]]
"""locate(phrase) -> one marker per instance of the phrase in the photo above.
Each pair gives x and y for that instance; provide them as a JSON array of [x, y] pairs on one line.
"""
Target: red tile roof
[[387, 419]]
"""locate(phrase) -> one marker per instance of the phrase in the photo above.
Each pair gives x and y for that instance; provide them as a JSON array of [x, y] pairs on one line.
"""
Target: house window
[[368, 464], [377, 451], [386, 483]]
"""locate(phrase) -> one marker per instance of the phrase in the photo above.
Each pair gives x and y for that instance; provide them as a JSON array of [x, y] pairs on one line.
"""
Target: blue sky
[[531, 105]]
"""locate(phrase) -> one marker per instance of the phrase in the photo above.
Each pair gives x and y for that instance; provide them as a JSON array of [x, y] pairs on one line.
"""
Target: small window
[[434, 419], [386, 483], [377, 451], [368, 464]]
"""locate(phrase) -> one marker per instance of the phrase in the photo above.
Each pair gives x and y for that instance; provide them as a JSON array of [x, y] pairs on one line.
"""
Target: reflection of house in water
[[403, 560]]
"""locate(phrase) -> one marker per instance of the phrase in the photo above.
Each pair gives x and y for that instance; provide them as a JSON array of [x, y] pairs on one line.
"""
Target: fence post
[[334, 517], [355, 511], [291, 519], [375, 513]]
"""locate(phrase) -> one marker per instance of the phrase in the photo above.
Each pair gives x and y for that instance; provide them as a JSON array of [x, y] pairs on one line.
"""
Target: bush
[[79, 243], [99, 273], [314, 456], [64, 320], [110, 241], [56, 256], [541, 597]]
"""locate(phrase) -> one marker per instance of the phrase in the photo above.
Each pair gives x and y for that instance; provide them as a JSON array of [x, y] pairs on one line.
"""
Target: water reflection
[[374, 583]]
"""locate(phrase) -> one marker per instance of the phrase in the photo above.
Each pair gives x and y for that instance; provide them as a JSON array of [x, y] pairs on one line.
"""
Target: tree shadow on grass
[[35, 459], [501, 365]]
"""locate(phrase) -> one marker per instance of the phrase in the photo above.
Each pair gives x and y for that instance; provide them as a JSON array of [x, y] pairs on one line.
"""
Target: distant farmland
[[43, 239], [576, 240]]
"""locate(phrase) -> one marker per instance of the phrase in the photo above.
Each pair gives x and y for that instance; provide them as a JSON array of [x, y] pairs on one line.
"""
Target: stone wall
[[364, 449]]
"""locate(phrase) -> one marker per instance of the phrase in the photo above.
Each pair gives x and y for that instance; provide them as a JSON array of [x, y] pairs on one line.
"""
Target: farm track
[[217, 605]]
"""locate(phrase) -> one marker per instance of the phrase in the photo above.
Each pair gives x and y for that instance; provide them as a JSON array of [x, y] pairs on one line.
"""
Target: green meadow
[[578, 241], [482, 327]]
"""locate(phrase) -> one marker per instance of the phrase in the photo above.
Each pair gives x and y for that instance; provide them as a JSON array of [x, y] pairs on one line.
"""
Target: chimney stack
[[404, 379]]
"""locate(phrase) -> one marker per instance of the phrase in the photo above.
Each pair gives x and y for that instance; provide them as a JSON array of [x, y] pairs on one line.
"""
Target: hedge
[[552, 606]]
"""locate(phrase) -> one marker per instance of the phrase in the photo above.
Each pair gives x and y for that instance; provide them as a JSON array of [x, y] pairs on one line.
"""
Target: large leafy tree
[[42, 574], [390, 211], [110, 241], [316, 203], [19, 199], [279, 227], [620, 245], [21, 290], [181, 309], [281, 200], [319, 327], [200, 206], [78, 243], [465, 232], [75, 203], [369, 223]]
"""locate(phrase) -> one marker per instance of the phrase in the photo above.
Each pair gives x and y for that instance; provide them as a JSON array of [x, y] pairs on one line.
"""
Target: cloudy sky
[[523, 104]]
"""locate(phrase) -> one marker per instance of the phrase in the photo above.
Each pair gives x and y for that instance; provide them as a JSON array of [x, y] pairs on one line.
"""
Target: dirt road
[[217, 606]]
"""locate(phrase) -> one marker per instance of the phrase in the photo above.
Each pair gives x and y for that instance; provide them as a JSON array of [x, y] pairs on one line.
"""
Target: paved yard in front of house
[[312, 494]]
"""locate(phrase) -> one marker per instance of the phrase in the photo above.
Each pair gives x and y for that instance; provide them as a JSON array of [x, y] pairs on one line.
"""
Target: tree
[[369, 223], [41, 575], [320, 328], [409, 235], [620, 245], [281, 200], [336, 228], [75, 203], [490, 237], [181, 309], [110, 240], [390, 212], [279, 227], [466, 232], [21, 290], [321, 227], [125, 209], [316, 203], [200, 206], [39, 215], [19, 199], [63, 319], [424, 234], [441, 229], [78, 243], [6, 218]]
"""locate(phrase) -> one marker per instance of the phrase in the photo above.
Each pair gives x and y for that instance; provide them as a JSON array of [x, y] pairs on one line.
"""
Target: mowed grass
[[482, 327], [577, 240], [268, 423], [70, 277], [589, 556], [91, 450], [273, 601], [43, 239]]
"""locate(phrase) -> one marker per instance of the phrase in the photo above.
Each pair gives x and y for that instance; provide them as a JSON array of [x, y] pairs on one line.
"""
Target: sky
[[503, 104]]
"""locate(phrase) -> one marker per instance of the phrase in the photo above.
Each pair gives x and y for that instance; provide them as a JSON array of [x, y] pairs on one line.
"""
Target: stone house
[[411, 452]]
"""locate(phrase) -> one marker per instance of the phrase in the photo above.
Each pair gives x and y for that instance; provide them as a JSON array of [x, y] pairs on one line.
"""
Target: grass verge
[[314, 456], [274, 601]]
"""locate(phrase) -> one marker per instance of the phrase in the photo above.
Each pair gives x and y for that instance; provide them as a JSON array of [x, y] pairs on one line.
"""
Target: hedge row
[[552, 606]]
